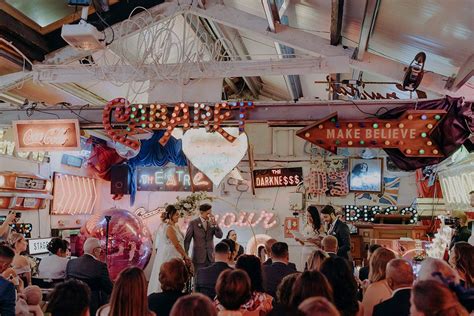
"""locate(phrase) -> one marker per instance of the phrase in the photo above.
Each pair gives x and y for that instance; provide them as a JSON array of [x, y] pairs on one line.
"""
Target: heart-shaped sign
[[212, 154]]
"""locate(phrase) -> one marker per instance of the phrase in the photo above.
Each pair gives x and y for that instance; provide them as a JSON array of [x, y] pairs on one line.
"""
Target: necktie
[[204, 225]]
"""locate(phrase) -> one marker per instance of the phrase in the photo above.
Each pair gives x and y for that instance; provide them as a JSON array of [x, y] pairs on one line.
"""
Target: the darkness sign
[[171, 179], [283, 177]]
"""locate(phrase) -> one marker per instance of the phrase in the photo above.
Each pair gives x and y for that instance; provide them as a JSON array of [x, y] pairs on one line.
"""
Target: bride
[[169, 244]]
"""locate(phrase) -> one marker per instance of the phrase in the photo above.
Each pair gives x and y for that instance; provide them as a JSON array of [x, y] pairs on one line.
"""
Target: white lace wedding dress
[[165, 251]]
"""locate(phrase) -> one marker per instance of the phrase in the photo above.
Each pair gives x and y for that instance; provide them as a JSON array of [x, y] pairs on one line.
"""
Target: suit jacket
[[203, 244], [273, 274], [364, 273], [342, 233], [7, 297], [207, 278], [270, 261], [398, 305], [161, 303], [95, 274]]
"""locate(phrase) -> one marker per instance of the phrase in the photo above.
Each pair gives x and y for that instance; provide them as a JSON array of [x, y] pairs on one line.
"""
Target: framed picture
[[366, 175]]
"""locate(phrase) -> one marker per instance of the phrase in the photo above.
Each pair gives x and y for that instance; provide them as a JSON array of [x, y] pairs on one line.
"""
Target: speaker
[[119, 180]]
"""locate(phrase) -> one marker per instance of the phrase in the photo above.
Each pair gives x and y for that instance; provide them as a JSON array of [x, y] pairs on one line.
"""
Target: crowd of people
[[225, 281]]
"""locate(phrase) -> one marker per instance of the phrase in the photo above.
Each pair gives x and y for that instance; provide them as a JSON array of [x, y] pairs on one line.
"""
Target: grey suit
[[203, 244]]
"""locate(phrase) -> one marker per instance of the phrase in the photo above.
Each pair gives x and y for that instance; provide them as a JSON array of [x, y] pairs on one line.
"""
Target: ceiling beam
[[370, 15], [337, 7], [466, 71]]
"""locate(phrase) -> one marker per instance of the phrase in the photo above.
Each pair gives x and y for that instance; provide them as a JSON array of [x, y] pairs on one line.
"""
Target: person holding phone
[[11, 218]]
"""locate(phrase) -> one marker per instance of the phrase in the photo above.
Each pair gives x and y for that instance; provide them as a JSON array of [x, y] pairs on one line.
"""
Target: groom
[[202, 230]]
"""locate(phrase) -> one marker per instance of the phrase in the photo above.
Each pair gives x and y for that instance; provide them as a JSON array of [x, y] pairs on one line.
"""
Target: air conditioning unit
[[83, 36]]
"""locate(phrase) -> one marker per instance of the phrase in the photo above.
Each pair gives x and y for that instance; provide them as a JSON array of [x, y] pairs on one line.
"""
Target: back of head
[[233, 289], [432, 267], [252, 265], [6, 257], [318, 306], [308, 284], [399, 273], [33, 295], [285, 288], [316, 259], [328, 209], [193, 305], [329, 244], [129, 294], [281, 310], [268, 245], [56, 244], [464, 261], [280, 250], [230, 243], [69, 298], [173, 275], [373, 247], [378, 263], [222, 251], [90, 244], [434, 299]]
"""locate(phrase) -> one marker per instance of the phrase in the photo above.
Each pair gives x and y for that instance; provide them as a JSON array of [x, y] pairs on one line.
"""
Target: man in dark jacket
[[7, 289], [268, 250], [206, 278], [338, 229], [400, 278], [274, 273], [93, 272]]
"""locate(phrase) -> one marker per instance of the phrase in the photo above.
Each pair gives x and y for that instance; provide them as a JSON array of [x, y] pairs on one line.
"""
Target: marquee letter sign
[[47, 135], [410, 133], [144, 117], [282, 177], [171, 179]]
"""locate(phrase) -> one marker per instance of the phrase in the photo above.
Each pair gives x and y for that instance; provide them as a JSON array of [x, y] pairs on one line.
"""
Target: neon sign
[[171, 179]]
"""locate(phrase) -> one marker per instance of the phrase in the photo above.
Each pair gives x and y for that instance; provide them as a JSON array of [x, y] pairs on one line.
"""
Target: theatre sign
[[281, 177]]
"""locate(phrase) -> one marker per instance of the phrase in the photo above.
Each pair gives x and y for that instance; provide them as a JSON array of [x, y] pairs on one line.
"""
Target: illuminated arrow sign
[[410, 133]]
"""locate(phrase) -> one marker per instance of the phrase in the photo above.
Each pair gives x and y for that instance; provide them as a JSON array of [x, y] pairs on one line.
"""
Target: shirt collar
[[401, 289], [332, 225]]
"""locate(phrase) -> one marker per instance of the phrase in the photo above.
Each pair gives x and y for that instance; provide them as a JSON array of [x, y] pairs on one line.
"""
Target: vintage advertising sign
[[291, 224], [281, 177], [171, 179], [410, 133], [47, 135]]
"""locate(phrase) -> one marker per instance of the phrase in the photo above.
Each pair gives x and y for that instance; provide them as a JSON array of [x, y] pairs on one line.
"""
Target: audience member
[[193, 305], [274, 273], [33, 298], [318, 306], [5, 226], [309, 284], [20, 263], [69, 298], [233, 289], [7, 289], [329, 244], [268, 250], [54, 265], [461, 231], [378, 291], [339, 275], [173, 277], [430, 298], [364, 271], [316, 259], [462, 260], [399, 275], [206, 278], [93, 272], [285, 288], [281, 310], [128, 296], [239, 249], [338, 229], [431, 267]]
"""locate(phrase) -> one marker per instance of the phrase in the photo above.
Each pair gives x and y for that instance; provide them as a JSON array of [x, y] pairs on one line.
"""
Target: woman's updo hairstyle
[[57, 244], [170, 210]]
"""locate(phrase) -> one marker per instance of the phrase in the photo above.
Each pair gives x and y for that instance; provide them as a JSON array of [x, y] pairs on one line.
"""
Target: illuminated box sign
[[38, 246], [171, 179], [283, 177], [47, 135]]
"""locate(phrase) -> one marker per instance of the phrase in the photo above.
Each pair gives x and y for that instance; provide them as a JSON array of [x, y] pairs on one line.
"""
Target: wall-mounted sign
[[73, 195], [38, 246], [281, 177], [291, 224], [47, 135], [410, 133], [456, 183], [72, 161], [171, 179]]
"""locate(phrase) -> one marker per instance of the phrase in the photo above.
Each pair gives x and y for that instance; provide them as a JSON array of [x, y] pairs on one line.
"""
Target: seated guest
[[281, 310], [268, 250], [233, 290], [364, 271], [93, 272], [329, 244], [206, 278], [316, 259], [239, 249], [33, 297], [7, 289], [69, 298], [54, 266], [285, 288], [432, 267], [318, 306], [128, 296], [309, 284], [193, 305], [400, 278], [462, 260], [430, 298], [20, 263], [173, 277], [233, 250], [339, 274], [259, 301], [378, 291], [274, 273]]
